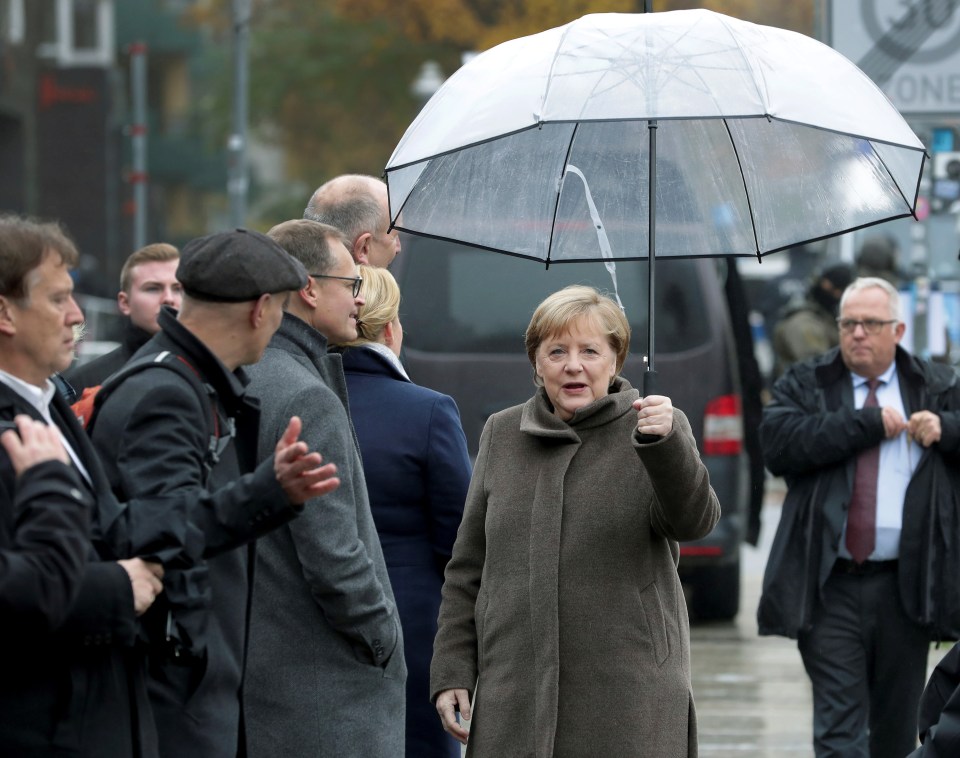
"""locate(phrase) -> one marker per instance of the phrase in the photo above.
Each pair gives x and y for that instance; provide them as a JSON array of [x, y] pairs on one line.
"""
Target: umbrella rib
[[894, 179], [762, 94], [746, 192], [556, 205], [550, 77]]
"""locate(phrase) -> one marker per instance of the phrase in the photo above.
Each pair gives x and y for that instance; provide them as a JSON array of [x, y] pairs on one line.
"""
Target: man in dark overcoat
[[326, 673], [163, 441], [72, 679], [863, 569]]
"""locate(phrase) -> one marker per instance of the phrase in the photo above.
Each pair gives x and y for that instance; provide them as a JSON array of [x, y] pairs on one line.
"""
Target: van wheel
[[715, 593]]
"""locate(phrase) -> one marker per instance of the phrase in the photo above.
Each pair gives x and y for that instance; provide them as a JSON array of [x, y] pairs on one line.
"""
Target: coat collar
[[134, 337], [297, 336], [368, 359], [539, 420], [230, 387], [830, 369]]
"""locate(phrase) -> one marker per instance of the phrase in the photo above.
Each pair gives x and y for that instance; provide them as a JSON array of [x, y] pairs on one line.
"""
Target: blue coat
[[417, 470]]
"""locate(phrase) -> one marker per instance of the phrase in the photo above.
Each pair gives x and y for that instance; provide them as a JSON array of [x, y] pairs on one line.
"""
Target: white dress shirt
[[39, 398], [898, 460]]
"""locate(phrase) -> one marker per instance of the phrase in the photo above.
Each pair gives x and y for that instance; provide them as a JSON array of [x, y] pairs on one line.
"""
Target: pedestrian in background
[[809, 328], [562, 617], [879, 257], [358, 206], [72, 678], [864, 565], [148, 281], [417, 471], [195, 452], [325, 667]]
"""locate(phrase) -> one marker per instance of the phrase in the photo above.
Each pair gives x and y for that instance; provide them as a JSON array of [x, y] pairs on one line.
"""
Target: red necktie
[[862, 517]]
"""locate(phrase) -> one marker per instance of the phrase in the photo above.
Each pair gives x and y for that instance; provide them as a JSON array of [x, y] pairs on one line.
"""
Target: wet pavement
[[753, 696]]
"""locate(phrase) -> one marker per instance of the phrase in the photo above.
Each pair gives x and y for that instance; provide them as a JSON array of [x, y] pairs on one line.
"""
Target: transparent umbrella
[[661, 135]]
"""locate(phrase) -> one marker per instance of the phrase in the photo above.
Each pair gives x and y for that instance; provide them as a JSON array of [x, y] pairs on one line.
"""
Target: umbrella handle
[[649, 388], [649, 382]]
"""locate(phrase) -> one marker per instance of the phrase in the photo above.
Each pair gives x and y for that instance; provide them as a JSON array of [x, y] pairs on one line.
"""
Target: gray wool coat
[[325, 670], [561, 605]]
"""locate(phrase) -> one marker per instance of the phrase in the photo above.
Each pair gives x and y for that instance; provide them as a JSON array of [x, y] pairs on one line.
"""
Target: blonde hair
[[381, 294], [157, 252], [559, 311]]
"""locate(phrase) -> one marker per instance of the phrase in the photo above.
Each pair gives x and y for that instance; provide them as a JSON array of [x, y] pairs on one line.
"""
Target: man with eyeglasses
[[863, 570], [325, 668]]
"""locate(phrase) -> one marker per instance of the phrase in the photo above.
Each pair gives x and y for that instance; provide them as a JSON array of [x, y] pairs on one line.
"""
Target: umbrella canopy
[[762, 139]]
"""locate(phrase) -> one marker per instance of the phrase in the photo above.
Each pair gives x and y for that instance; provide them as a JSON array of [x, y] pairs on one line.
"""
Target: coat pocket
[[656, 622]]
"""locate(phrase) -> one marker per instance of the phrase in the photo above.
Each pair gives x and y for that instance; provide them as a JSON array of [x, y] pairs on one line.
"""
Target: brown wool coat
[[561, 604]]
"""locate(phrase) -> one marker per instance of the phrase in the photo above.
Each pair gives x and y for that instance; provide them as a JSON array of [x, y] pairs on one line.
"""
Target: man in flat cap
[[183, 430], [358, 206]]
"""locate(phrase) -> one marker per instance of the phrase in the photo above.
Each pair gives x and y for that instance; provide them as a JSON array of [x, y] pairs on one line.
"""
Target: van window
[[465, 300]]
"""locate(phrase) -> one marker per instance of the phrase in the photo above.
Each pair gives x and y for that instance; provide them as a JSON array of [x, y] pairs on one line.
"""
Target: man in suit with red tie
[[863, 569]]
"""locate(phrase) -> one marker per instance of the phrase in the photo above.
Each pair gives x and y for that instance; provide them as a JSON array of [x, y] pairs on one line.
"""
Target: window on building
[[77, 32]]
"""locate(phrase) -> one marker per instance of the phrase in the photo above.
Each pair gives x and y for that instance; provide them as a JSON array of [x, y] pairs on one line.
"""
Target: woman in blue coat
[[417, 471]]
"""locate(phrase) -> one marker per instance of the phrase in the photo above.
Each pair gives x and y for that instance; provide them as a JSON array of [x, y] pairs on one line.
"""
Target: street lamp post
[[138, 141], [237, 183]]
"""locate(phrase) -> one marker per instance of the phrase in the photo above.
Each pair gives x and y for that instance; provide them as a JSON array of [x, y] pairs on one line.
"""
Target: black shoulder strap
[[182, 367]]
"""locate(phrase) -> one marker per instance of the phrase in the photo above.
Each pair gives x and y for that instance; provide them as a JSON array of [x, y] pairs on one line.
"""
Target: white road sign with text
[[911, 48]]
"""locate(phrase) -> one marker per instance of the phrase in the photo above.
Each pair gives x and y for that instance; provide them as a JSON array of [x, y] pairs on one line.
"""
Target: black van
[[464, 312]]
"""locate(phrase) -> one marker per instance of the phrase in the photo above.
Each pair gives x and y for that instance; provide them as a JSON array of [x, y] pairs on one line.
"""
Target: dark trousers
[[867, 663]]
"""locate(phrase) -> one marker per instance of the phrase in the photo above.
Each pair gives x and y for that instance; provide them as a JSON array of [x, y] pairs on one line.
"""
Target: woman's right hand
[[448, 703]]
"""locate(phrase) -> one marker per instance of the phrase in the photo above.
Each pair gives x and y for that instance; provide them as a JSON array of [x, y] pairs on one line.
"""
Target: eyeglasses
[[870, 325], [356, 281]]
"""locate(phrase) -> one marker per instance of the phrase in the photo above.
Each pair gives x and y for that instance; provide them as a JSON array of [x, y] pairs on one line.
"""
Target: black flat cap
[[236, 266]]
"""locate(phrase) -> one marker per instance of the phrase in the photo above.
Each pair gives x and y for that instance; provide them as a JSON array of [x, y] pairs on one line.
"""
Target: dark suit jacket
[[811, 436], [417, 470], [43, 544], [77, 689]]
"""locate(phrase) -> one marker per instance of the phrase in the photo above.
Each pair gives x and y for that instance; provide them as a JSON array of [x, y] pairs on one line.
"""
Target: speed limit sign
[[910, 48]]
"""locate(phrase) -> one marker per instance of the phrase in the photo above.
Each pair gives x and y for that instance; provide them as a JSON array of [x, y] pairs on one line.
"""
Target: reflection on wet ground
[[753, 697]]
